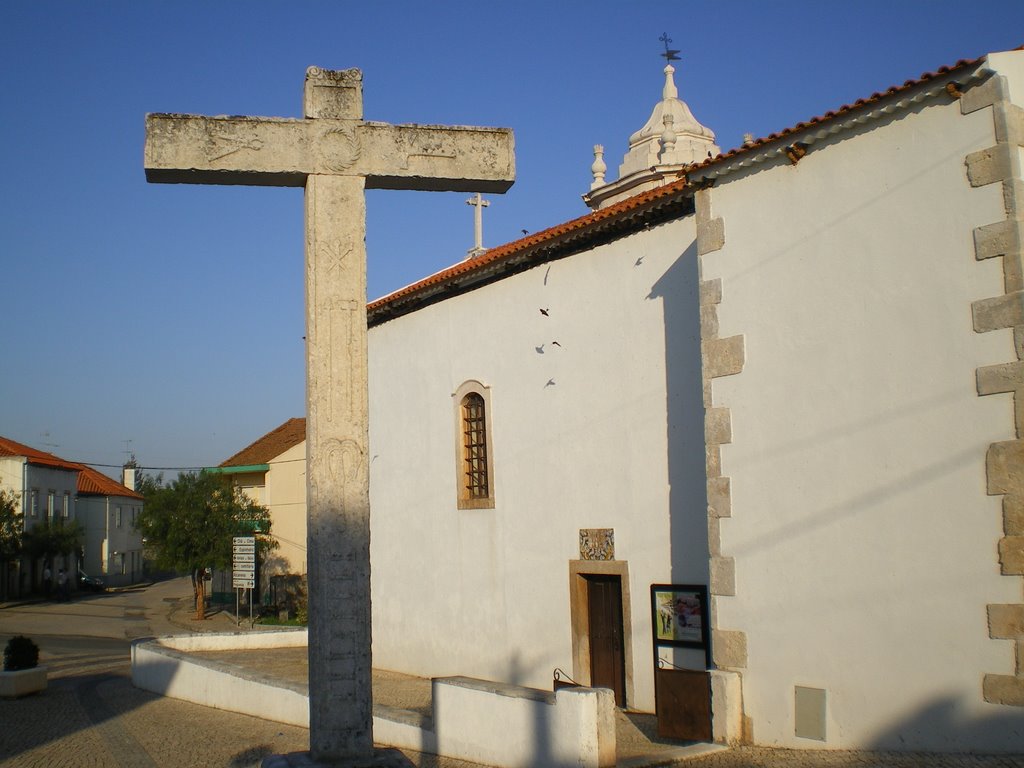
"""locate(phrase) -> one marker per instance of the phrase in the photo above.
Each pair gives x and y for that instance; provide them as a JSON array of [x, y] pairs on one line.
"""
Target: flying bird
[[539, 350], [556, 343], [545, 313], [551, 383]]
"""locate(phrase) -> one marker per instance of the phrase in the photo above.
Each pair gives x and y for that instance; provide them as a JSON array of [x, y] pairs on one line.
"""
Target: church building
[[756, 414]]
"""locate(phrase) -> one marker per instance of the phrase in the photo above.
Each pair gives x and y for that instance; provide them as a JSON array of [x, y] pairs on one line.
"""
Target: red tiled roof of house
[[89, 480], [537, 248], [95, 483], [13, 448], [271, 445]]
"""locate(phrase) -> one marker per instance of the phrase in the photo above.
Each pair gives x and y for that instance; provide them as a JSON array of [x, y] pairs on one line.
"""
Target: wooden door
[[607, 650]]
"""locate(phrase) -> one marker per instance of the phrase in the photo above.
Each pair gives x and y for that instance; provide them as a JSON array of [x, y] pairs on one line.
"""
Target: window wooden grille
[[474, 447]]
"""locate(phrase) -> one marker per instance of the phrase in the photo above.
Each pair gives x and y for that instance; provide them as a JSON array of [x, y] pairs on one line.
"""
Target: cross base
[[381, 758]]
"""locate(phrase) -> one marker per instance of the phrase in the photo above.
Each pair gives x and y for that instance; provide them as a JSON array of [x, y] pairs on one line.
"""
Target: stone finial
[[748, 139], [669, 90], [598, 167], [668, 138]]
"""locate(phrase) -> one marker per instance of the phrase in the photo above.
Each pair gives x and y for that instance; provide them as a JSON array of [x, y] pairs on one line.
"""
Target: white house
[[272, 472], [108, 511], [57, 491], [787, 374]]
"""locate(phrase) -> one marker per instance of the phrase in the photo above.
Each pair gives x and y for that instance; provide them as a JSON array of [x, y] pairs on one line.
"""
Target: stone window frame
[[464, 498], [34, 502]]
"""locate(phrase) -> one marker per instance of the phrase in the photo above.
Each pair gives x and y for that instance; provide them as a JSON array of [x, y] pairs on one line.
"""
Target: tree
[[190, 522], [10, 536], [46, 539]]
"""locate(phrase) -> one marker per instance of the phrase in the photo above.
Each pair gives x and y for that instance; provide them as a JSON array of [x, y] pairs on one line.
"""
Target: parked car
[[85, 581]]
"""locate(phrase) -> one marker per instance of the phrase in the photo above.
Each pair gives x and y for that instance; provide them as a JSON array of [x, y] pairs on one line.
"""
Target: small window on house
[[474, 459], [117, 517], [66, 509], [34, 506], [49, 504]]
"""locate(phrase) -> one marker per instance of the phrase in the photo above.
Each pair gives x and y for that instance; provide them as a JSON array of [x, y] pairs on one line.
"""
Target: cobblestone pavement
[[90, 715]]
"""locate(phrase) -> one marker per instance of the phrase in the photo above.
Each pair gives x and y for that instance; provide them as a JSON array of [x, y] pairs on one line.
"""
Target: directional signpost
[[243, 568]]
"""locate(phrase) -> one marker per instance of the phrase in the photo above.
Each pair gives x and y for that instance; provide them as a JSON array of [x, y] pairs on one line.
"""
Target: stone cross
[[478, 224], [335, 155]]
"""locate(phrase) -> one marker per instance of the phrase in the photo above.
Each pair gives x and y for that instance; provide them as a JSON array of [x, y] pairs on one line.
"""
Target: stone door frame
[[580, 618]]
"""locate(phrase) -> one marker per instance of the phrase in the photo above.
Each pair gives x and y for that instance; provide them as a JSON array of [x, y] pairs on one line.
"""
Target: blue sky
[[172, 315]]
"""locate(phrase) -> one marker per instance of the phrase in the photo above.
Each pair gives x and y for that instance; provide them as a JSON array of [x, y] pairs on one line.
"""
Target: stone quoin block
[[718, 426], [1009, 120], [729, 648], [719, 497], [723, 576], [711, 236], [1005, 377], [1005, 622], [984, 95], [997, 239], [998, 312], [708, 321], [1004, 464], [711, 291], [724, 357], [988, 166], [1011, 555], [1013, 515], [1004, 689]]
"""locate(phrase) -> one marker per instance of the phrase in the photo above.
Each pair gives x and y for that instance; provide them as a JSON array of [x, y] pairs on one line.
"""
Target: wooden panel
[[607, 666], [683, 704]]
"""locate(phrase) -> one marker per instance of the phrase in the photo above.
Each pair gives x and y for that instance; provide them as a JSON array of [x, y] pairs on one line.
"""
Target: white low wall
[[495, 723], [508, 725], [164, 666]]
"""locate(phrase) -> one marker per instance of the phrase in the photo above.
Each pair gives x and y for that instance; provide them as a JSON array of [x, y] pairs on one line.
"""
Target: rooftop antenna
[[46, 435], [129, 456], [669, 55]]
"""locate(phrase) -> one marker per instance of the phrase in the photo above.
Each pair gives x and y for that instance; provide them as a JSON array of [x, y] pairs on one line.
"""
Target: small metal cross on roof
[[669, 55]]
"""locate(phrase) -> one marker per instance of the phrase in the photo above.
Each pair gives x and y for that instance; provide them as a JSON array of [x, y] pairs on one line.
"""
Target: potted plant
[[21, 674]]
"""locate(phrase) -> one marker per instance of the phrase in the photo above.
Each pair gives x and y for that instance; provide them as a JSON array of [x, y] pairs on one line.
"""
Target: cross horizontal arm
[[283, 152], [193, 149]]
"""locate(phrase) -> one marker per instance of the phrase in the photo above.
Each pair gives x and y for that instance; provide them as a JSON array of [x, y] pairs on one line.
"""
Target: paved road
[[90, 715]]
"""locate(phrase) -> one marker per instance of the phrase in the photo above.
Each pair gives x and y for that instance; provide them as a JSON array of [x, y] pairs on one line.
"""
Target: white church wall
[[581, 433], [864, 541]]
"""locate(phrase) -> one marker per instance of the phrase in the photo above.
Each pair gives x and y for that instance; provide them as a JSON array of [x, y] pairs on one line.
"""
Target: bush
[[20, 653]]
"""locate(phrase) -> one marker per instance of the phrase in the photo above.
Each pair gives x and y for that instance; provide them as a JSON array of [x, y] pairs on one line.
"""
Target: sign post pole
[[243, 571]]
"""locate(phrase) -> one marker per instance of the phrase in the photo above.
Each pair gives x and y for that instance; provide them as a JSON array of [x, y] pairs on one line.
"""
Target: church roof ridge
[[535, 248]]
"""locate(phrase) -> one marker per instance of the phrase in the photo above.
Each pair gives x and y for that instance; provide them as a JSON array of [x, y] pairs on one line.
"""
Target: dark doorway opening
[[607, 650]]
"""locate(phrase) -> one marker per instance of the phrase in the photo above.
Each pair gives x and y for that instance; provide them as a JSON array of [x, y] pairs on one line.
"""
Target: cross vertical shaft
[[335, 155], [338, 500]]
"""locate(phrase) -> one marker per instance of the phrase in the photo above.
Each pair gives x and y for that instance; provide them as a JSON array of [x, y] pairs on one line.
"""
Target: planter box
[[22, 682]]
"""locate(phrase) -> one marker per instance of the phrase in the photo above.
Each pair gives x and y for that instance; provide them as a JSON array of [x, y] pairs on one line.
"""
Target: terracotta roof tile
[[537, 248], [89, 480], [13, 448], [271, 445], [841, 111], [93, 482]]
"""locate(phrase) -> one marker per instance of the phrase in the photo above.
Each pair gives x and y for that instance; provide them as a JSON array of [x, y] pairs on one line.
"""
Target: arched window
[[475, 475]]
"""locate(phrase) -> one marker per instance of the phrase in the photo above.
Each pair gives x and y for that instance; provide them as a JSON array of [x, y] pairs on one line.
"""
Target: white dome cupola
[[670, 140]]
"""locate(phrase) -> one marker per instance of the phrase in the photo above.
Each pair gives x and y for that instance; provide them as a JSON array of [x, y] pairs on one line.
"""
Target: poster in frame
[[679, 615]]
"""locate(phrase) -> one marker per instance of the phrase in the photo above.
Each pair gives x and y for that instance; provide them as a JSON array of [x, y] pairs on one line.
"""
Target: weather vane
[[669, 54]]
